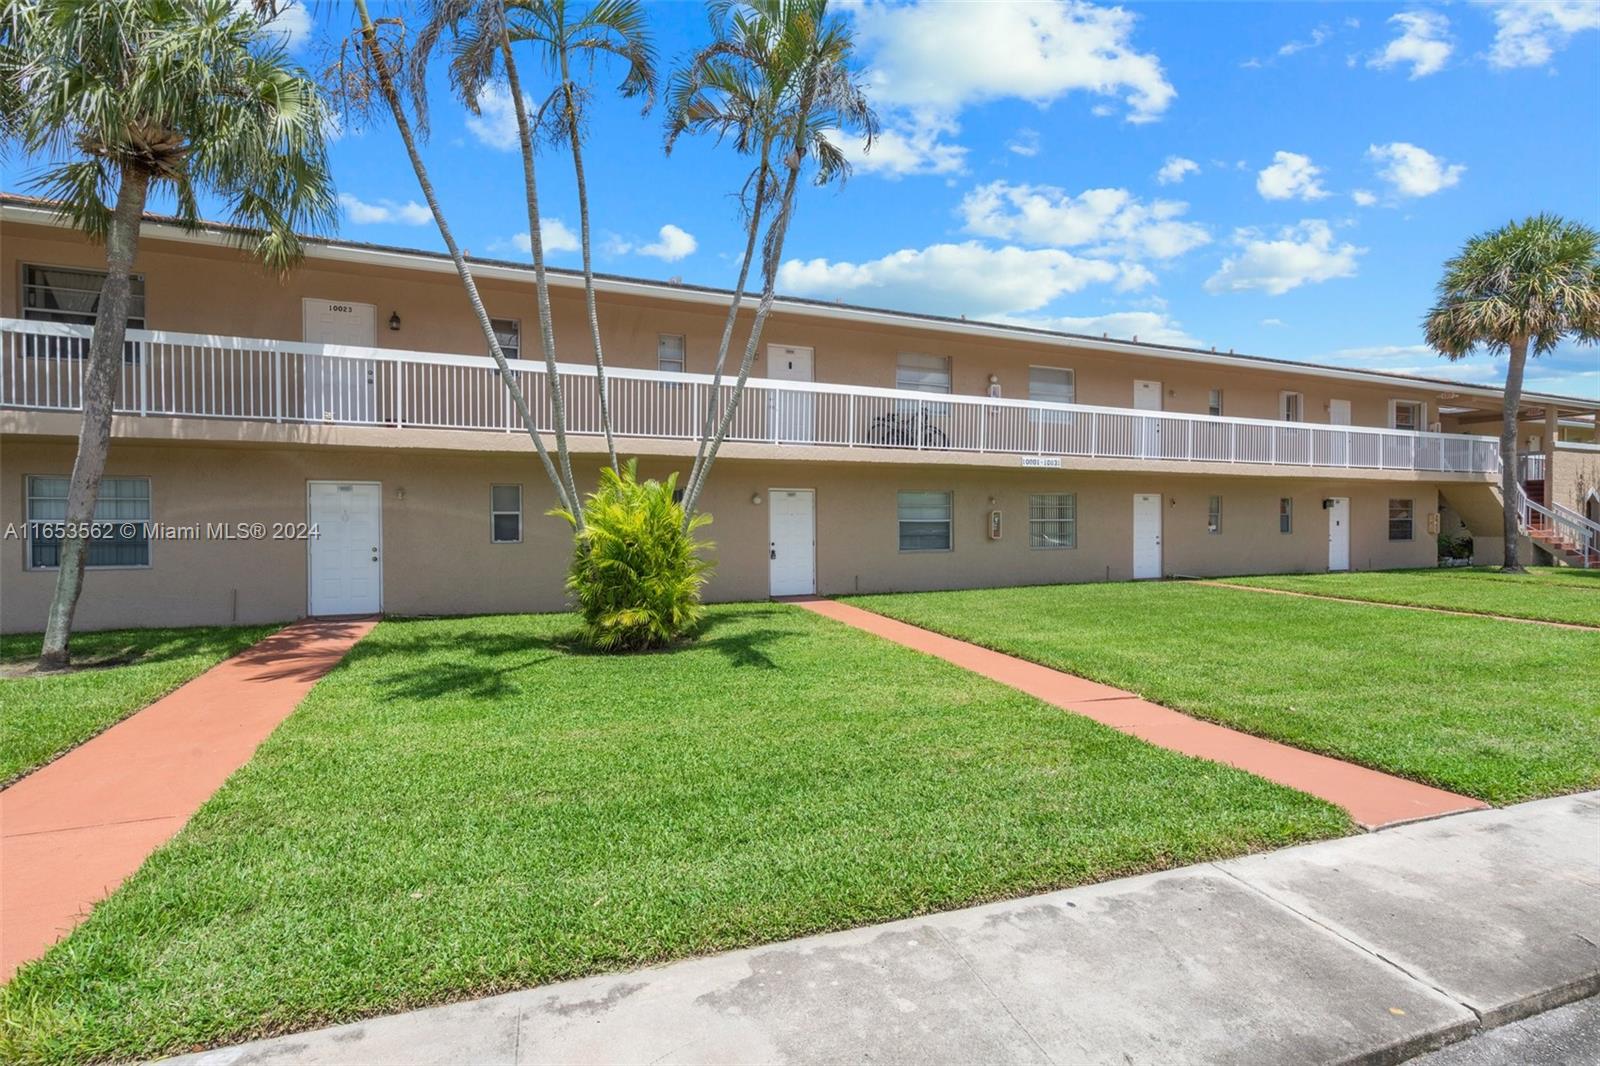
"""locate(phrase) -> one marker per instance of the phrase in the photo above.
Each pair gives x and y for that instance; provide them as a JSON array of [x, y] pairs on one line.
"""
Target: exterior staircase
[[1565, 534]]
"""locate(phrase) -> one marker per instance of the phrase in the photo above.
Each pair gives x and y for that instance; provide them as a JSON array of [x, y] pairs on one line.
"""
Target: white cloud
[[1412, 171], [1529, 34], [554, 235], [944, 56], [1318, 38], [1025, 143], [1291, 176], [1274, 323], [967, 278], [1364, 197], [495, 124], [1298, 255], [1424, 42], [1175, 169], [671, 244], [292, 21], [1151, 327], [363, 213], [1106, 221], [911, 144]]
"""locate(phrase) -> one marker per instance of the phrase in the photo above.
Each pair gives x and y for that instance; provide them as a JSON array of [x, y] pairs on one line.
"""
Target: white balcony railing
[[197, 376]]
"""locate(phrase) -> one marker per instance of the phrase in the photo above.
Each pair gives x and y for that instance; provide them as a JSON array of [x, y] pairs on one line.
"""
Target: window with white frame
[[121, 522], [1053, 520], [1405, 414], [1214, 514], [1401, 520], [508, 332], [1214, 403], [505, 514], [1291, 406], [669, 353], [1285, 515], [922, 373], [1050, 384], [70, 294], [925, 520]]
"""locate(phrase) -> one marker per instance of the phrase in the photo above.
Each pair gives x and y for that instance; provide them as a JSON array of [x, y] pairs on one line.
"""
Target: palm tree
[[1520, 289], [615, 28], [380, 69], [781, 81], [123, 98]]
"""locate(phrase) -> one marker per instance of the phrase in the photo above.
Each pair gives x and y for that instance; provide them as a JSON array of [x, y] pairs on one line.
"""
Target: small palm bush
[[636, 570]]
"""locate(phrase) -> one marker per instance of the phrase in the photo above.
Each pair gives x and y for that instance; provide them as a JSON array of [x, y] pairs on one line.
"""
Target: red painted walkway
[[1373, 799], [74, 830]]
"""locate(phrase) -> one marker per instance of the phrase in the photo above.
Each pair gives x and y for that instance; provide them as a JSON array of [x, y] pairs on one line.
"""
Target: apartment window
[[925, 520], [121, 517], [1214, 403], [68, 294], [1214, 514], [1050, 384], [1404, 414], [1053, 520], [922, 373], [669, 353], [1291, 406], [1400, 520], [508, 332], [1285, 515], [505, 514]]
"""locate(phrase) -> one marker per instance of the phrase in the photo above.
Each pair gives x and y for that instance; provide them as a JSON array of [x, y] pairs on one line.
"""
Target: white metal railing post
[[850, 416], [277, 385], [922, 421], [144, 378]]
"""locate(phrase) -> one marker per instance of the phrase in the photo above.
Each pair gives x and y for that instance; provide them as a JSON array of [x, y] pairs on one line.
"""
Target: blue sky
[[1282, 179]]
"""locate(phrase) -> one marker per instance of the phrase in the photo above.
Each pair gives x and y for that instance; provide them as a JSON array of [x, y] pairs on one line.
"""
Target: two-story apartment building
[[874, 450]]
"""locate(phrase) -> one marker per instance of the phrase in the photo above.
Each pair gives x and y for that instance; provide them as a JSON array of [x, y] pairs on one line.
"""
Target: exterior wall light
[[755, 498], [394, 321]]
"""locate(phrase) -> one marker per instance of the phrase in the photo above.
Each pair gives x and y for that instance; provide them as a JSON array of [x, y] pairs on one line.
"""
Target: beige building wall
[[438, 558], [199, 288], [1574, 474]]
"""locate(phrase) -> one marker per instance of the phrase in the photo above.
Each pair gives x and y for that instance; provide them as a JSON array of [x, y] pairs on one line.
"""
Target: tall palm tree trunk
[[714, 402], [771, 253], [99, 396], [541, 281], [588, 263], [369, 37], [1510, 473]]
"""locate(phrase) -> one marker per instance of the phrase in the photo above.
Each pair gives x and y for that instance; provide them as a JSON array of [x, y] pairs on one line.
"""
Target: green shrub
[[636, 570]]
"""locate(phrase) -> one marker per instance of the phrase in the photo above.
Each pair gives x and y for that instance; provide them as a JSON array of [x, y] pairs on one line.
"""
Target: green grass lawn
[[466, 806], [1553, 594], [46, 715], [1493, 709]]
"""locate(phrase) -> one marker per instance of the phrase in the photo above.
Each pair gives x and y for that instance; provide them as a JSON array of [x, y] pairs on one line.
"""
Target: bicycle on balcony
[[906, 430]]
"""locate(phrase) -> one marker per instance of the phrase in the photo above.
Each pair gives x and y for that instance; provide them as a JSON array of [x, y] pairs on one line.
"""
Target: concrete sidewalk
[[1367, 949]]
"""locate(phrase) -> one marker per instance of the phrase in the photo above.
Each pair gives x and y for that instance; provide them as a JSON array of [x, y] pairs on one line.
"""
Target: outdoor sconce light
[[994, 385], [394, 321], [755, 498], [400, 493]]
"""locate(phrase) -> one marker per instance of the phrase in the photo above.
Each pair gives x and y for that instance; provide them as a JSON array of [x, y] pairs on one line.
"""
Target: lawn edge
[[1262, 586]]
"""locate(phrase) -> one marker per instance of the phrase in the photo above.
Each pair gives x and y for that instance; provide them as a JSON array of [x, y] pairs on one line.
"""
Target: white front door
[[792, 415], [1147, 395], [792, 516], [339, 389], [1339, 533], [346, 557], [1338, 412], [1146, 535]]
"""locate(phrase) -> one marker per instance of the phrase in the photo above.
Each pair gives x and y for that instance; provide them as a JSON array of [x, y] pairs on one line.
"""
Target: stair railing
[[1560, 523]]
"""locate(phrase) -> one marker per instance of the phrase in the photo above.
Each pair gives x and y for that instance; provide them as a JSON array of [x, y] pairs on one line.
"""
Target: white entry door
[[1339, 412], [792, 516], [1147, 395], [792, 415], [1339, 533], [337, 389], [346, 556], [1146, 536]]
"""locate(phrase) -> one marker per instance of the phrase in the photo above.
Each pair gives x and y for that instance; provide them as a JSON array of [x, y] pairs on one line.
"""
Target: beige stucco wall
[[198, 288], [1574, 473], [438, 558]]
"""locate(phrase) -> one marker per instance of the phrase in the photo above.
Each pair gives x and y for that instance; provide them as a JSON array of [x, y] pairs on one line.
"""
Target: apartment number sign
[[1052, 462]]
